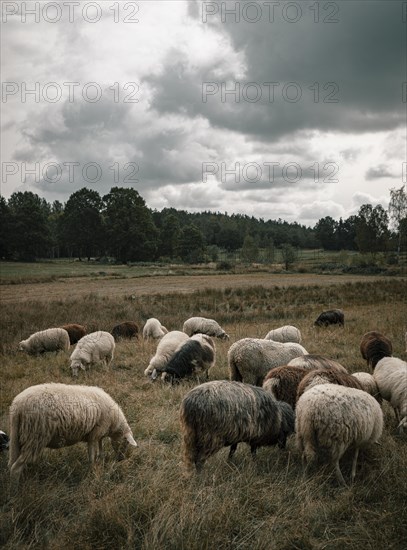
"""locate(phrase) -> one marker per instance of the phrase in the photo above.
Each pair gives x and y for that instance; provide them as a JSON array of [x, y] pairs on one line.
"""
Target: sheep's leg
[[338, 472], [397, 413], [253, 450], [355, 459], [17, 469], [92, 451]]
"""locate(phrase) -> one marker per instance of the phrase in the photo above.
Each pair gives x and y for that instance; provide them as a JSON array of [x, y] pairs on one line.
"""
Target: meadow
[[145, 502]]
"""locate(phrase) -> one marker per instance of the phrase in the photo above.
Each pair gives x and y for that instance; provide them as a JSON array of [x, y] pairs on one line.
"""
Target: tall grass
[[145, 502]]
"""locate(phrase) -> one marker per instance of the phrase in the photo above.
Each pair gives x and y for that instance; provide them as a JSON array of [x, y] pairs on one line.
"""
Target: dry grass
[[144, 502]]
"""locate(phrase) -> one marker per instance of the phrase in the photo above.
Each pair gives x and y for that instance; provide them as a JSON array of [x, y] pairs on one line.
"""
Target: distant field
[[100, 285]]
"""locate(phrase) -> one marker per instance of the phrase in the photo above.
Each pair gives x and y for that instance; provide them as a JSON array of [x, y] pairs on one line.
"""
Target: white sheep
[[153, 329], [93, 348], [390, 375], [202, 325], [52, 339], [250, 359], [368, 383], [330, 419], [287, 333], [166, 348], [59, 415]]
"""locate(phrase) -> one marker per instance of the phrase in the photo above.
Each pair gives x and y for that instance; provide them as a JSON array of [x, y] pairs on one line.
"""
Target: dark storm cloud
[[346, 76]]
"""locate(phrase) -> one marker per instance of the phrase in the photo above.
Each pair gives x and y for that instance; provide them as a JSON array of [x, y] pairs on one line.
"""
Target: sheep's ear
[[82, 367], [131, 440]]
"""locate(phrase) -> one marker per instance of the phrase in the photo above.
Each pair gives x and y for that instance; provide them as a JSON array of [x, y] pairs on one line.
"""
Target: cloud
[[380, 171]]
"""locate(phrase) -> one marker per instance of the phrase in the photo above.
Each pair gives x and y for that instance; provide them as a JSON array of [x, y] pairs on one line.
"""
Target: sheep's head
[[224, 336], [75, 366], [22, 346], [122, 444]]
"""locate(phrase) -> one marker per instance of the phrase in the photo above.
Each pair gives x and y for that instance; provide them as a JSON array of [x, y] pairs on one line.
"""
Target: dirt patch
[[75, 287]]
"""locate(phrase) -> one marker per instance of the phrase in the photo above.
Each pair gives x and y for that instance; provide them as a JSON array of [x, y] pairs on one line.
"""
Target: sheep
[[327, 376], [283, 382], [311, 361], [287, 333], [75, 332], [250, 359], [331, 418], [220, 413], [127, 329], [390, 375], [59, 415], [166, 348], [52, 339], [196, 356], [4, 441], [202, 325], [330, 317], [374, 346], [368, 383], [153, 329], [91, 349]]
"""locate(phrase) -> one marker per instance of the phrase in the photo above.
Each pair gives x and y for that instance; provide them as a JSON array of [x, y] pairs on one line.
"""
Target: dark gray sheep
[[221, 414], [330, 317], [195, 357]]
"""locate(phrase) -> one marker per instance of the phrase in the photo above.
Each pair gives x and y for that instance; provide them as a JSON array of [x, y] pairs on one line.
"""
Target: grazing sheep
[[390, 375], [91, 349], [368, 383], [250, 359], [166, 348], [374, 346], [60, 415], [287, 333], [52, 339], [312, 361], [220, 414], [128, 330], [330, 419], [4, 441], [330, 317], [153, 329], [202, 325], [327, 376], [76, 332], [282, 383], [195, 357]]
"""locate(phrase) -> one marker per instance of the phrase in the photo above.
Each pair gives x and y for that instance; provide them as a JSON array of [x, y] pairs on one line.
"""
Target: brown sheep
[[283, 382], [128, 330], [326, 376], [330, 317], [75, 332], [313, 361], [374, 346]]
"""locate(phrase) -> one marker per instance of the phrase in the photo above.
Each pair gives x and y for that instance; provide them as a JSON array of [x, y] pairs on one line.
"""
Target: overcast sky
[[292, 110]]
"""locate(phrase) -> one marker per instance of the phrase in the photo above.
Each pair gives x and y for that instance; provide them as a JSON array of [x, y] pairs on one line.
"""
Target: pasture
[[145, 502]]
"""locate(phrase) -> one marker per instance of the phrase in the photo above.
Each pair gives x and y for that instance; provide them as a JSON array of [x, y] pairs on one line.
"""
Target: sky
[[290, 110]]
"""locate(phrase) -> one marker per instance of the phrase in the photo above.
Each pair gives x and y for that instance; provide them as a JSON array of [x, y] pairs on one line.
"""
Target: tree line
[[120, 225]]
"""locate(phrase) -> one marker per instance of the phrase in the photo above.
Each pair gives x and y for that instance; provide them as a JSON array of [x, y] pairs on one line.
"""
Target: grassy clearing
[[144, 502]]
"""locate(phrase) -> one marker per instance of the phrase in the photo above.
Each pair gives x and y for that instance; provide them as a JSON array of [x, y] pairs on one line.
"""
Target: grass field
[[144, 502]]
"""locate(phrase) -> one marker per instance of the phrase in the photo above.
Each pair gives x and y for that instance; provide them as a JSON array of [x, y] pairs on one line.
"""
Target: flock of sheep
[[275, 389]]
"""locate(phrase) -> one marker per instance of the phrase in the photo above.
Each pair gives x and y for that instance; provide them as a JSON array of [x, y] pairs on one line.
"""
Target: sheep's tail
[[234, 372], [14, 446]]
